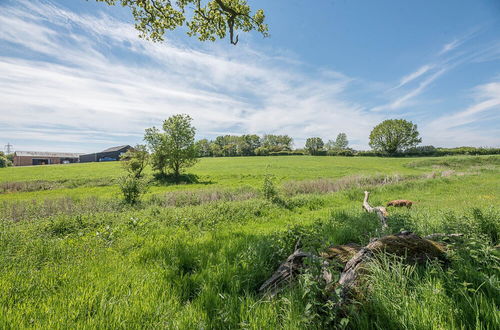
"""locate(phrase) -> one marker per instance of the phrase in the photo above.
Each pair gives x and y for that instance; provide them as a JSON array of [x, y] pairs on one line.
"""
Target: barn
[[27, 158], [110, 154]]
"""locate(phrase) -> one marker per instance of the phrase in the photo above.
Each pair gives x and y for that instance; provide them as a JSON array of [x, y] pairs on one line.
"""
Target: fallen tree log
[[353, 259], [410, 247]]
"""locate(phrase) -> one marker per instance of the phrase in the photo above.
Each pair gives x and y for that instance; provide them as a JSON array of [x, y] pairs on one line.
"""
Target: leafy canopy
[[208, 20], [394, 135], [314, 145], [173, 149], [135, 160], [340, 143]]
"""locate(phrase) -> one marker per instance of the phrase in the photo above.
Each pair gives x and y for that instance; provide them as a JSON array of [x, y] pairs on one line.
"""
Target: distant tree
[[275, 143], [248, 144], [314, 145], [203, 148], [174, 148], [208, 20], [215, 149], [341, 142], [394, 135], [135, 160]]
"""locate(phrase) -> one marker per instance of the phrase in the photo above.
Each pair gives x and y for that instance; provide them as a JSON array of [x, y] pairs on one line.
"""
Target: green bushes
[[132, 188], [4, 160]]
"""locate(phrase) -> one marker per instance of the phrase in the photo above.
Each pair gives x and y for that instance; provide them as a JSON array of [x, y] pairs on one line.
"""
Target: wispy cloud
[[414, 75]]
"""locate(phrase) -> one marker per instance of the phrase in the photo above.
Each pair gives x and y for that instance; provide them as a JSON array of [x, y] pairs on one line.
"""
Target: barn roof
[[47, 154], [116, 148]]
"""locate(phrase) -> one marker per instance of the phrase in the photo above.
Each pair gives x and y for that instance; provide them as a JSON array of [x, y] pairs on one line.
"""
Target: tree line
[[244, 145]]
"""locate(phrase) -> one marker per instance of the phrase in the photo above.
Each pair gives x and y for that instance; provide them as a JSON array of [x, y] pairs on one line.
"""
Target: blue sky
[[74, 76]]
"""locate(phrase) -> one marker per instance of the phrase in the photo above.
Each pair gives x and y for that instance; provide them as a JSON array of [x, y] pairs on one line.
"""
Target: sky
[[75, 76]]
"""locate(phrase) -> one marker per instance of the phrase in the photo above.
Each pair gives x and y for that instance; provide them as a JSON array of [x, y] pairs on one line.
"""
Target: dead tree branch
[[380, 210]]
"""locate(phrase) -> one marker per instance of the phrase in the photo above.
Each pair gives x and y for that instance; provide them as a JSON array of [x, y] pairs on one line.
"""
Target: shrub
[[269, 189], [4, 161], [286, 153], [341, 152], [132, 188], [262, 151]]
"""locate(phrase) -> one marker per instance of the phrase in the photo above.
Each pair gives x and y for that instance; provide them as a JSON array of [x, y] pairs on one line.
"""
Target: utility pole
[[8, 148]]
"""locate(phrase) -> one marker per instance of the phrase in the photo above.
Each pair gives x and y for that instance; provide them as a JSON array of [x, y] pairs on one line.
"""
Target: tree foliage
[[173, 149], [135, 160], [4, 160], [339, 144], [314, 145], [394, 135], [208, 20], [244, 145], [275, 143], [341, 141]]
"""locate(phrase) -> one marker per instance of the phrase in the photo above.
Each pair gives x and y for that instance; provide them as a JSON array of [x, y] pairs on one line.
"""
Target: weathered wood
[[380, 210], [413, 248], [285, 272], [405, 244]]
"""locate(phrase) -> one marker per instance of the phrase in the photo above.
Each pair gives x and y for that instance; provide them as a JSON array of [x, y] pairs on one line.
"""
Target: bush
[[341, 152], [422, 151], [286, 153], [262, 151], [269, 189], [4, 161], [132, 188]]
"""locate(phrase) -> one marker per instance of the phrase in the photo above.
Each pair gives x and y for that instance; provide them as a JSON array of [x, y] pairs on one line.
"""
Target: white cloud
[[461, 127], [414, 75]]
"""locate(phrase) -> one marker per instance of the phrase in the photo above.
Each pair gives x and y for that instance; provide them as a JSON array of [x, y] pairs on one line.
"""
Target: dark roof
[[116, 148], [47, 154]]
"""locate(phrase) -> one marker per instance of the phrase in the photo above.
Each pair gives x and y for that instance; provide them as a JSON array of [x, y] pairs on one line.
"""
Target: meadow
[[73, 255]]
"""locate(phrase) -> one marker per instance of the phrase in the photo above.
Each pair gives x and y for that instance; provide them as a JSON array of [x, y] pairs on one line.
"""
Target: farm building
[[26, 158], [110, 154]]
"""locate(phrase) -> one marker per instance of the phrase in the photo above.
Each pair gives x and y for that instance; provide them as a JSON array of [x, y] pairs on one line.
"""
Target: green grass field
[[72, 255]]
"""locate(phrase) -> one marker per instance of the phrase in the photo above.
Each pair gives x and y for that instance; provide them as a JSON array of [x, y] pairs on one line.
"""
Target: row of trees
[[316, 146], [244, 145]]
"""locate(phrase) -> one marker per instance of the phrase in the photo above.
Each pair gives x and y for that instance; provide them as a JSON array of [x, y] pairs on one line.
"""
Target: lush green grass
[[100, 179], [100, 264]]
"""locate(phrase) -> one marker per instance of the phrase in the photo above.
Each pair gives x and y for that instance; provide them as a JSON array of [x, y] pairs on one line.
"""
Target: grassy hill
[[193, 256]]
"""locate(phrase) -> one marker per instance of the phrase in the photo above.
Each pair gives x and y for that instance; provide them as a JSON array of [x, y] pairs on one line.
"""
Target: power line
[[8, 147]]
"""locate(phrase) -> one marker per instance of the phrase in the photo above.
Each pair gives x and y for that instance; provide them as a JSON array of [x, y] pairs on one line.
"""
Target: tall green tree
[[394, 135], [341, 141], [203, 148], [277, 143], [247, 144], [173, 149], [208, 20], [314, 145]]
